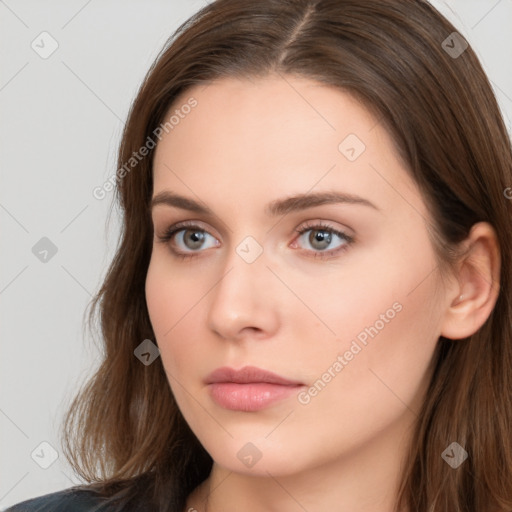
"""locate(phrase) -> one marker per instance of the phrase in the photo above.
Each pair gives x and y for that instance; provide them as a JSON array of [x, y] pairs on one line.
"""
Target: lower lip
[[249, 397]]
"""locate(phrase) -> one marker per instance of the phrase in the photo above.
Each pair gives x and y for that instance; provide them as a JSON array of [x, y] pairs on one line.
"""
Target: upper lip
[[246, 375]]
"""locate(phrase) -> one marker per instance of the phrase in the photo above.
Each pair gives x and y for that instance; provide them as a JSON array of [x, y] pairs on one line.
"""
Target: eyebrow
[[274, 208]]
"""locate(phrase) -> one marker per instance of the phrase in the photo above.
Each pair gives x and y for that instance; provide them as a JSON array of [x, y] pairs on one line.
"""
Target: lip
[[247, 375], [248, 389]]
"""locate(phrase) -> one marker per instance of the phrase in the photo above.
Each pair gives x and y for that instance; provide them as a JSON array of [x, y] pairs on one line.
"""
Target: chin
[[257, 456]]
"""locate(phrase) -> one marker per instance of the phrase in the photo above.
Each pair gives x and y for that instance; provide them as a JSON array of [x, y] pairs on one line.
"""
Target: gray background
[[61, 121]]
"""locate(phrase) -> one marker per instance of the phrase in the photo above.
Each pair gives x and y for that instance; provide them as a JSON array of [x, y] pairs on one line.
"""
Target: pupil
[[195, 239], [320, 239]]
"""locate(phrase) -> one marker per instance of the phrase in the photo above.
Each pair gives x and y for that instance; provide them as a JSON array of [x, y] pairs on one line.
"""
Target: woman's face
[[300, 248]]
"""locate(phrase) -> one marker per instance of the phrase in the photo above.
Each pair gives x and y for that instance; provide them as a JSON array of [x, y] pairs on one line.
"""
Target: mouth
[[248, 389]]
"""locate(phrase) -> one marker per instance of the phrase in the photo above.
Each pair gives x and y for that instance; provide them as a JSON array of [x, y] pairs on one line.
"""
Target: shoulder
[[72, 499]]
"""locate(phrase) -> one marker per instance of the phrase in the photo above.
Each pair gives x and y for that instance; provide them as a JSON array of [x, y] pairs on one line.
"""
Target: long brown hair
[[124, 431]]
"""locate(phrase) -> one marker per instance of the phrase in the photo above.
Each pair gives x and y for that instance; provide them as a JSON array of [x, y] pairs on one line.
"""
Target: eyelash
[[313, 226]]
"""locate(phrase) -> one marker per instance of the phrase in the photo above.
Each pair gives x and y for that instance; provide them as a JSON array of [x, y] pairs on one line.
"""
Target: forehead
[[280, 134]]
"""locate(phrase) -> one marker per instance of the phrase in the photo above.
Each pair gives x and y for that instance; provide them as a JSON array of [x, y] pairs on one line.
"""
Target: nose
[[244, 303]]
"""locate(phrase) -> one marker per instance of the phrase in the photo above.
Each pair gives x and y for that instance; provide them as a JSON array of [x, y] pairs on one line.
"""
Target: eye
[[323, 240], [186, 239]]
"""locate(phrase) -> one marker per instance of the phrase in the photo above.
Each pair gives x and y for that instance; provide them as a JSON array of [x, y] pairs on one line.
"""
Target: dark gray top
[[68, 500]]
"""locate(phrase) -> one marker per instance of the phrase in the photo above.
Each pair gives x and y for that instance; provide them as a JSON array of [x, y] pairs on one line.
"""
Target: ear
[[475, 292]]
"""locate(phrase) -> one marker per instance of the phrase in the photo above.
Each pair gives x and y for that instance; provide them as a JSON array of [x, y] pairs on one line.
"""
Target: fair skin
[[293, 312]]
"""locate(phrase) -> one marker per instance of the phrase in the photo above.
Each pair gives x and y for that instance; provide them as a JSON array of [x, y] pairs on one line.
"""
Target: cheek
[[386, 343], [175, 307], [383, 315], [175, 301], [171, 295]]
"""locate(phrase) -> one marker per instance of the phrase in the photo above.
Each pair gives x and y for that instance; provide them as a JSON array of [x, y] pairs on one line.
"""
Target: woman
[[316, 238]]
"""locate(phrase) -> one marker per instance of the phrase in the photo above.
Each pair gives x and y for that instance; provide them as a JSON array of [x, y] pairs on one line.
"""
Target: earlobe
[[471, 302]]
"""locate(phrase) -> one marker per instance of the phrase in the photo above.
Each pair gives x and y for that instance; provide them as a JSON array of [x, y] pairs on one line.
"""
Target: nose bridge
[[242, 298]]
